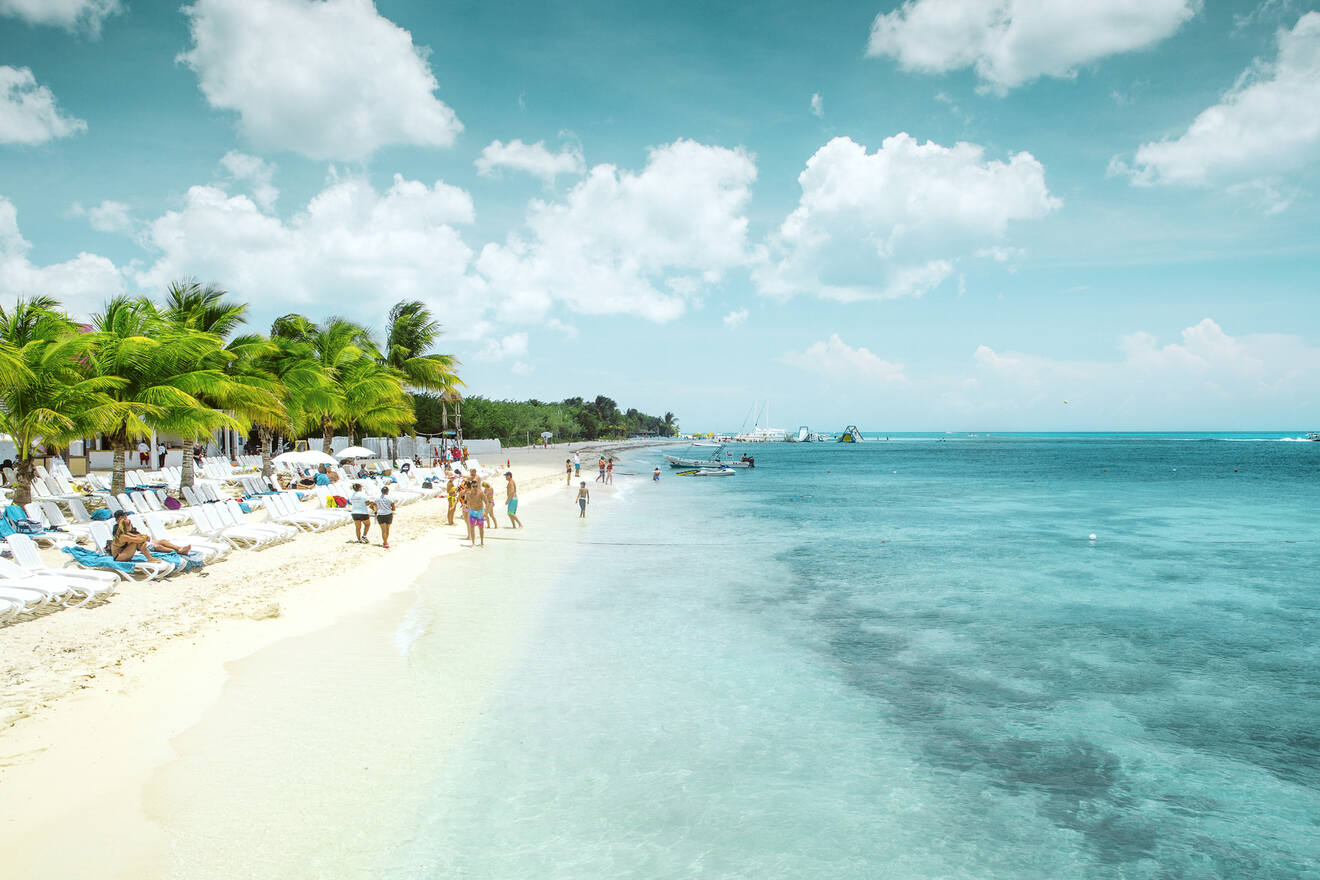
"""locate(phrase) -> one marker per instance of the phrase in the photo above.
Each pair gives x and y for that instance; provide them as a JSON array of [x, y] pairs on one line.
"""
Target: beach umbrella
[[355, 452], [546, 435]]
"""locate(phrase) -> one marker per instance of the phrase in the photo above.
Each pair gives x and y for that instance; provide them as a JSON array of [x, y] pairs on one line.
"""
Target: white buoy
[[1093, 536]]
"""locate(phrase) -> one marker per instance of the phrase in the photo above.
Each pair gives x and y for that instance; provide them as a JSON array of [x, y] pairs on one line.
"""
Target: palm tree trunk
[[264, 433], [24, 470], [188, 477], [327, 435], [118, 443]]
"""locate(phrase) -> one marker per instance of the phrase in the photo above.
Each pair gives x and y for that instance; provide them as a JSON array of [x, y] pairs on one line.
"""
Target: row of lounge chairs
[[219, 525]]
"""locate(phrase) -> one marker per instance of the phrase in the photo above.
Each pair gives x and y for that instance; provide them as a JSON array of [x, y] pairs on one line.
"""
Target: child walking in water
[[583, 499]]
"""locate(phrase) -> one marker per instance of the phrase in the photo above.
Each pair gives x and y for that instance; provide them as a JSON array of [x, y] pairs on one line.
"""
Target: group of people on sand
[[573, 469], [474, 500], [361, 508]]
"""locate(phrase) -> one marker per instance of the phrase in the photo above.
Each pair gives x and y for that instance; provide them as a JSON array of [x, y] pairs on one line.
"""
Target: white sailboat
[[763, 433]]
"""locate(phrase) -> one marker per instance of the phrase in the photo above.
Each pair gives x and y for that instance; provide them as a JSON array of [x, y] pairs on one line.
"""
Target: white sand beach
[[95, 697]]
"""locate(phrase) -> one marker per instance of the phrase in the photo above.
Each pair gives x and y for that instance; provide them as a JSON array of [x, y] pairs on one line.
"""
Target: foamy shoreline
[[94, 696]]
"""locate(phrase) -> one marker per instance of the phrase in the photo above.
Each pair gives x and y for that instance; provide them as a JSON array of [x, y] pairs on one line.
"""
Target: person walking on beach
[[568, 472], [144, 453], [476, 501], [384, 506], [583, 499], [160, 454], [357, 506], [511, 500], [488, 492], [600, 467], [609, 472]]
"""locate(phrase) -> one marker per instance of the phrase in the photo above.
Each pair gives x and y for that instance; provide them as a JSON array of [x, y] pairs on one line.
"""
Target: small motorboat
[[716, 460], [707, 472], [1313, 436]]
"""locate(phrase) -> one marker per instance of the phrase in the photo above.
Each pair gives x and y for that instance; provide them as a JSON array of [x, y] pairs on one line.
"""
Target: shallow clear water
[[907, 659]]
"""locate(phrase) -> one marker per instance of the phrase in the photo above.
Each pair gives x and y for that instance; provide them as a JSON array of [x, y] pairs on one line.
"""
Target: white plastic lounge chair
[[237, 517], [49, 515], [284, 509], [27, 598], [9, 609], [212, 524], [27, 558], [62, 587]]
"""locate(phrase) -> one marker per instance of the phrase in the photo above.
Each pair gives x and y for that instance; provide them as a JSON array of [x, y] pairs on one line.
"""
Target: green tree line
[[516, 422]]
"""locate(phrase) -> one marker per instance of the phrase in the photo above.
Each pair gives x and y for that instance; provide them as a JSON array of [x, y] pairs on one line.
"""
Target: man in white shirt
[[144, 453]]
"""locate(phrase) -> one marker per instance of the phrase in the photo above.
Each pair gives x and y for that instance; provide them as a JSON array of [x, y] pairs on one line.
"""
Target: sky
[[928, 215]]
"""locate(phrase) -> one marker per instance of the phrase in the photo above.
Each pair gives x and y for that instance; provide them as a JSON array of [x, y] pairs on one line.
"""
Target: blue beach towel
[[181, 563], [92, 559]]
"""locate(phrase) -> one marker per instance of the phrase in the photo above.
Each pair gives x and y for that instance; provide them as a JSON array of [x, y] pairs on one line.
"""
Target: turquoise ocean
[[908, 659]]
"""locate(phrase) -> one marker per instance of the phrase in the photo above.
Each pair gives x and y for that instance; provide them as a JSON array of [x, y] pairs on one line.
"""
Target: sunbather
[[128, 541]]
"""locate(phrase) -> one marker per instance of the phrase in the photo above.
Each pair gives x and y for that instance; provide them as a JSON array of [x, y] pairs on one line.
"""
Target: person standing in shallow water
[[476, 501], [568, 472], [583, 499], [511, 500]]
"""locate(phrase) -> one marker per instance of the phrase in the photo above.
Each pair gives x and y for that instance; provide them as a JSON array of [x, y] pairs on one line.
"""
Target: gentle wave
[[414, 626]]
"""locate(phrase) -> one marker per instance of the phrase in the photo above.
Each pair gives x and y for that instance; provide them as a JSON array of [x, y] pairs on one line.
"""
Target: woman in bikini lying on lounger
[[127, 541]]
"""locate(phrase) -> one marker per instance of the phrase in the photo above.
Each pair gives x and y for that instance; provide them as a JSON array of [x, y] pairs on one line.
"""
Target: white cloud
[[351, 246], [1002, 254], [82, 283], [834, 357], [1199, 379], [623, 242], [68, 14], [817, 105], [512, 346], [569, 331], [1265, 126], [331, 79], [255, 172], [893, 223], [106, 217], [1012, 42], [533, 159], [28, 114], [736, 317]]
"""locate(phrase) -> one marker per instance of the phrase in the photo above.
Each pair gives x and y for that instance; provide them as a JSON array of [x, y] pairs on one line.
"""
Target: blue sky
[[941, 214]]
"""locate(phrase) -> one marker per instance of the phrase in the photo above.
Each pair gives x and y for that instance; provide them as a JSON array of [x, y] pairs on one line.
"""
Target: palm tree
[[336, 344], [671, 424], [412, 330], [165, 372], [48, 396], [374, 400], [302, 387], [190, 306]]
